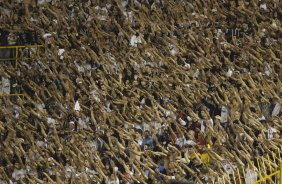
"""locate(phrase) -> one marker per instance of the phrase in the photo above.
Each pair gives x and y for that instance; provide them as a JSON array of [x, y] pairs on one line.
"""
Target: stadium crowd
[[134, 91]]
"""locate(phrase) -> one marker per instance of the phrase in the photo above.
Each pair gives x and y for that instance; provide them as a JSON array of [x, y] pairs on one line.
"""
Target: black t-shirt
[[4, 37], [214, 110]]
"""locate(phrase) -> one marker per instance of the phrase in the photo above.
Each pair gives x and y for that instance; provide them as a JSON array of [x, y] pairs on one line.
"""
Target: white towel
[[135, 40], [276, 110], [61, 51], [263, 6], [77, 106], [229, 73]]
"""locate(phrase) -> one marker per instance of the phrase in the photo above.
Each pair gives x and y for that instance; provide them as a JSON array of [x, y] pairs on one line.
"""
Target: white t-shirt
[[267, 70], [270, 132], [135, 40], [60, 53], [203, 127], [5, 86], [180, 141], [113, 181], [19, 173], [77, 106], [224, 114], [190, 142], [251, 176], [276, 109]]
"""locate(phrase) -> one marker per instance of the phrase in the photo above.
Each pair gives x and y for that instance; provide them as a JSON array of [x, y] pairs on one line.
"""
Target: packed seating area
[[140, 91]]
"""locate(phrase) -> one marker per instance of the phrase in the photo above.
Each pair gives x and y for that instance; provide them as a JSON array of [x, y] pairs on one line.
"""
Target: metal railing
[[16, 59], [268, 170], [275, 177], [17, 47]]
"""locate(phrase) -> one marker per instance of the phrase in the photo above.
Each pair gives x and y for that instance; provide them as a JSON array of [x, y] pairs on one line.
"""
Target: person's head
[[138, 133], [131, 144], [191, 134], [107, 166], [146, 147], [146, 133], [202, 113], [260, 137]]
